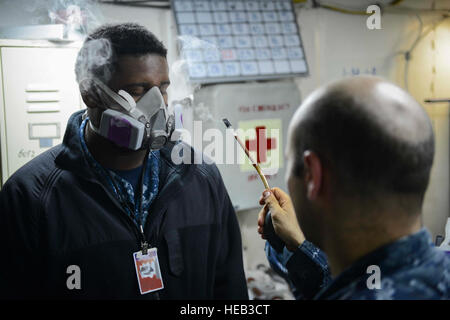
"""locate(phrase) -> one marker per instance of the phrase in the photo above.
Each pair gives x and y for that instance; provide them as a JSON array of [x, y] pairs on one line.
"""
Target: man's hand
[[283, 217]]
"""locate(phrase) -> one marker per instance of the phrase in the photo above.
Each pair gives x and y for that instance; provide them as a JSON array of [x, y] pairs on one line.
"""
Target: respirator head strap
[[120, 100]]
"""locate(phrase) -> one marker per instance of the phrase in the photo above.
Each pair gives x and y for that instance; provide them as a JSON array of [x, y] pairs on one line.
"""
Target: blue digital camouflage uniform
[[126, 191], [410, 268]]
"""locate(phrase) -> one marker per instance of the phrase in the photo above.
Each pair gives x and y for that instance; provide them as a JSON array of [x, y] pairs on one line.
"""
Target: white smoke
[[79, 16], [95, 57], [182, 87]]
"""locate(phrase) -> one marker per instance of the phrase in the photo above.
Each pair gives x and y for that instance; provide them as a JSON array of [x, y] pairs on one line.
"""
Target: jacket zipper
[[138, 233]]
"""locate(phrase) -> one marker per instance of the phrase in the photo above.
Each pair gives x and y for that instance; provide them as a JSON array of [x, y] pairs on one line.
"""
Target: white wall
[[429, 78]]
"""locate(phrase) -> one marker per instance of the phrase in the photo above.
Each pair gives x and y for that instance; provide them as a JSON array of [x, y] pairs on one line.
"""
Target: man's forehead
[[151, 69], [142, 64]]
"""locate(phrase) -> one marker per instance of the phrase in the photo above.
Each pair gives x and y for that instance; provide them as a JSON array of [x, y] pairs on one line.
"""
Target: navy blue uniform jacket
[[54, 213]]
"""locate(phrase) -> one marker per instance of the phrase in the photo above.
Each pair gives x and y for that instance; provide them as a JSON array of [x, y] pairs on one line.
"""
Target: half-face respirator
[[135, 125]]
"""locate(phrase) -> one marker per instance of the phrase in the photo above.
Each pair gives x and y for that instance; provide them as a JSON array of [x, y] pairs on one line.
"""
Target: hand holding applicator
[[269, 231]]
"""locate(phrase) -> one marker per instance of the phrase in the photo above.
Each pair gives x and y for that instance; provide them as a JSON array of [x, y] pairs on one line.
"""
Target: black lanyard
[[144, 244]]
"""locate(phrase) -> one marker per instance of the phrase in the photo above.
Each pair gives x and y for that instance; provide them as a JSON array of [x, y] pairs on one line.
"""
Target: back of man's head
[[373, 137]]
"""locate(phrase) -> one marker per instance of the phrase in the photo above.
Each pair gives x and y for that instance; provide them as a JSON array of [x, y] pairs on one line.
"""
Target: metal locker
[[39, 93]]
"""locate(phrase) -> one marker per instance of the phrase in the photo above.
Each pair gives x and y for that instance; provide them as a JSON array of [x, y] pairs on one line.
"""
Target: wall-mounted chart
[[227, 40]]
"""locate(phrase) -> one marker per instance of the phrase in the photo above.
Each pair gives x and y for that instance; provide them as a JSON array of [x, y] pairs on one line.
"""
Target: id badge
[[147, 271]]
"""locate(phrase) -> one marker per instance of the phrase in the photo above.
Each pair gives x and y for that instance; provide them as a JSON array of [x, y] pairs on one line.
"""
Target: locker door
[[40, 93]]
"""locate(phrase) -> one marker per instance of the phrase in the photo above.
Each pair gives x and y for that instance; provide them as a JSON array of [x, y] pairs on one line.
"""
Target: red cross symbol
[[261, 144]]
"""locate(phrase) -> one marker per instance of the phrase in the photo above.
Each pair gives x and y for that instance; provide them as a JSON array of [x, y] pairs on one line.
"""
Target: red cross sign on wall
[[261, 144]]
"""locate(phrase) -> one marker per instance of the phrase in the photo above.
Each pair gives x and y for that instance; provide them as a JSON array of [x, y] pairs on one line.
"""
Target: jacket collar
[[401, 253], [72, 157]]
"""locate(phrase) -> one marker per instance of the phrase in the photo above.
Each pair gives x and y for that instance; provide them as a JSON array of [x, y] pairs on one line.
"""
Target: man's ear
[[91, 98], [88, 100], [90, 94], [313, 174]]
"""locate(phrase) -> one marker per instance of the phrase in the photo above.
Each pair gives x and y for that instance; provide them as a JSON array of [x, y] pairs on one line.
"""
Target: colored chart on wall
[[263, 139], [227, 40]]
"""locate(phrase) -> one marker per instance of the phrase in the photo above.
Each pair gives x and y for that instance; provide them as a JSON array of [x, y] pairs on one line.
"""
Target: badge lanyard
[[146, 261], [144, 244]]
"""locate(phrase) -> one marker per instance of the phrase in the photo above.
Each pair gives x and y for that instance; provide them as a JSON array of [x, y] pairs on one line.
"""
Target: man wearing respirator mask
[[110, 203]]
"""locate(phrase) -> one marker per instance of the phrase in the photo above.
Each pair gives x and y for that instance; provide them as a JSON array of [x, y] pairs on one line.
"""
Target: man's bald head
[[373, 136]]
